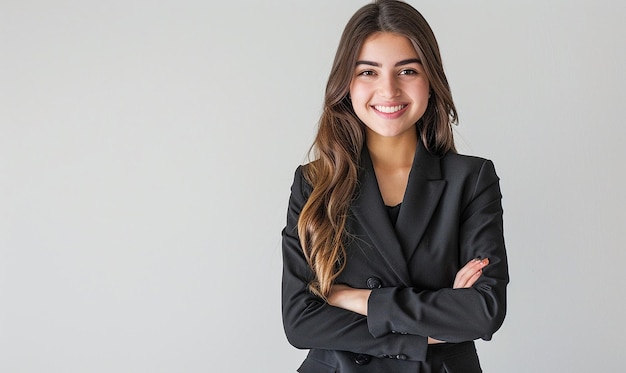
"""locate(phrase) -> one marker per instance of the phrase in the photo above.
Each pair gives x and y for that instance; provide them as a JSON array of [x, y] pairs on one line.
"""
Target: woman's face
[[389, 89]]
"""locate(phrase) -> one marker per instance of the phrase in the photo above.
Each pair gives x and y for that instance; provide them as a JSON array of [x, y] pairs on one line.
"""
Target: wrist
[[365, 296]]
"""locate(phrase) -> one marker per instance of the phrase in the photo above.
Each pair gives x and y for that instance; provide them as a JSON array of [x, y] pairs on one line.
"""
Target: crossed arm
[[356, 300]]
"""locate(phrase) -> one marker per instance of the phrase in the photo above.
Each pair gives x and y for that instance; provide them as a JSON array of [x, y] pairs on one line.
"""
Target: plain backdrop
[[147, 149]]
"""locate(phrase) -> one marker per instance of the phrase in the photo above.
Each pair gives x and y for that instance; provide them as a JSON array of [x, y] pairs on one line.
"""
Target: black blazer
[[451, 213]]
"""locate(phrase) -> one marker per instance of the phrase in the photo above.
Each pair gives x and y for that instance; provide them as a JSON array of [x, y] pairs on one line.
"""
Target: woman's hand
[[469, 274], [348, 298]]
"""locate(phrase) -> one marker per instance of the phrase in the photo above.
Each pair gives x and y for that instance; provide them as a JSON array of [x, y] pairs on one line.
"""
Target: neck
[[392, 152]]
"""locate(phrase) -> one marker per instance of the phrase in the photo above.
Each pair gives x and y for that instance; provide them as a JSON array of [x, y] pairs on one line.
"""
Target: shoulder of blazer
[[463, 159], [300, 181], [454, 165]]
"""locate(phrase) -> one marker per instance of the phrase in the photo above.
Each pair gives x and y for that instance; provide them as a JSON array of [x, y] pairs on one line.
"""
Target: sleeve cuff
[[378, 321]]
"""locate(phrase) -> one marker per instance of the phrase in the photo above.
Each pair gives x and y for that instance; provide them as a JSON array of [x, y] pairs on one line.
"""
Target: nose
[[389, 87]]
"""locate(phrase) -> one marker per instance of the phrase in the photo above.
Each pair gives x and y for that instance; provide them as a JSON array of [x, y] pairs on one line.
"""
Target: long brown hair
[[341, 135]]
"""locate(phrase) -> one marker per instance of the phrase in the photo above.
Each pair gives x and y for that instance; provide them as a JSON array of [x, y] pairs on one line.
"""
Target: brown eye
[[408, 72]]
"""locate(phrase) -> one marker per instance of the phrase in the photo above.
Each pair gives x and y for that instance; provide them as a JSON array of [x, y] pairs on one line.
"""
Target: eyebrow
[[400, 63]]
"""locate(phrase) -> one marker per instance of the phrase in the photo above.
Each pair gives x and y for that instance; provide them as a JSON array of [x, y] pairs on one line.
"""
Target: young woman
[[393, 252]]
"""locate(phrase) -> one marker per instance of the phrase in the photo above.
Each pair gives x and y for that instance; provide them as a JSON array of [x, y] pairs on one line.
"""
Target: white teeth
[[389, 109]]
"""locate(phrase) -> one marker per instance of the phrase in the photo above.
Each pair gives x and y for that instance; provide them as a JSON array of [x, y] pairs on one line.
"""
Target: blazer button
[[401, 357], [374, 283], [362, 359]]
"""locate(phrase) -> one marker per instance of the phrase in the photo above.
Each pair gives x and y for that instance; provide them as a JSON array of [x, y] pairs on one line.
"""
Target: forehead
[[386, 46]]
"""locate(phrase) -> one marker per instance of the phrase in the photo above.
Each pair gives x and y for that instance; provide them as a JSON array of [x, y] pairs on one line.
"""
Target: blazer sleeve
[[456, 315], [311, 323]]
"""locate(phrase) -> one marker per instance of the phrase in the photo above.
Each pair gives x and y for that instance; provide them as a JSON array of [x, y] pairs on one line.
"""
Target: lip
[[393, 115]]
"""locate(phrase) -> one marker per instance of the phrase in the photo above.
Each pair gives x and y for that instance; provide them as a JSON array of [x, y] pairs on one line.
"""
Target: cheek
[[425, 87], [353, 91], [420, 93], [417, 87], [359, 101], [358, 94]]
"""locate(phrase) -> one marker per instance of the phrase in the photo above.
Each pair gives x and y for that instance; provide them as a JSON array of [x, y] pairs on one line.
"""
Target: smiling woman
[[393, 253]]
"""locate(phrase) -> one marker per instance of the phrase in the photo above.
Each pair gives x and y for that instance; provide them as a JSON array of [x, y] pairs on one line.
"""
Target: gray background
[[147, 149]]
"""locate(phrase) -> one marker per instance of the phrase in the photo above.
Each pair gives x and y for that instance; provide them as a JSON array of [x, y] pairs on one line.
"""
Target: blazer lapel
[[369, 209], [424, 189]]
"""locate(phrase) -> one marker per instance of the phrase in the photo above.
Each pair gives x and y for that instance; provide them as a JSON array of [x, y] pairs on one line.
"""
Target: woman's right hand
[[465, 278]]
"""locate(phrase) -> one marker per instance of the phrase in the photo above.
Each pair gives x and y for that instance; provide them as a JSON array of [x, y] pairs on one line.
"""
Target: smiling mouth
[[389, 109]]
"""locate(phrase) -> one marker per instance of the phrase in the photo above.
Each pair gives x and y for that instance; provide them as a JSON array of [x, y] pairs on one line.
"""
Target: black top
[[393, 212]]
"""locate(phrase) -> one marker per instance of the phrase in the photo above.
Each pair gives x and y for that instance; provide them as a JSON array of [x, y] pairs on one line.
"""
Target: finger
[[472, 280], [474, 264], [470, 268], [468, 275], [468, 281]]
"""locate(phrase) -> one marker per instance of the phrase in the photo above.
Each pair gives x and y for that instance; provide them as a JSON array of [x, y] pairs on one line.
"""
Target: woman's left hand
[[348, 298], [469, 274]]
